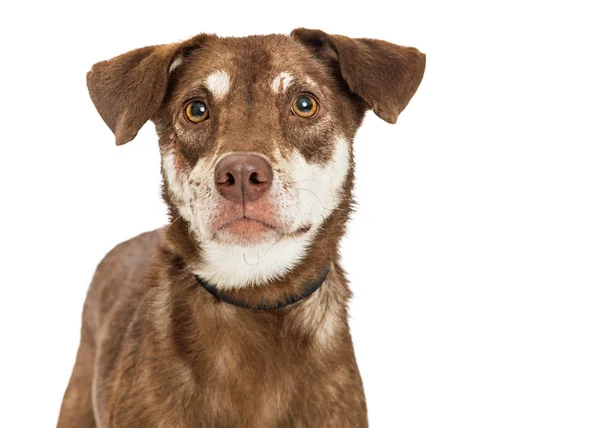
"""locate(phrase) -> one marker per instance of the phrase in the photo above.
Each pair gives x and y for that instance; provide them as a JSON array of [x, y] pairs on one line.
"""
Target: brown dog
[[235, 315]]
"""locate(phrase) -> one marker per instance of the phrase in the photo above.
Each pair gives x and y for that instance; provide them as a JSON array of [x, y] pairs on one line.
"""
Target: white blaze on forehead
[[218, 83], [281, 81]]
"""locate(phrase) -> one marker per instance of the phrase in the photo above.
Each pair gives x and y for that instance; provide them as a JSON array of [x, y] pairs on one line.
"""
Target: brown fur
[[159, 351]]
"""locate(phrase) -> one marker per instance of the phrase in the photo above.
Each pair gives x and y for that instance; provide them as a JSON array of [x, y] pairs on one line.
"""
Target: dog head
[[255, 135]]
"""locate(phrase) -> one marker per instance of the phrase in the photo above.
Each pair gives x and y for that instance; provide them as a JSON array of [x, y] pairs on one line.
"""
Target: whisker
[[318, 199], [173, 222]]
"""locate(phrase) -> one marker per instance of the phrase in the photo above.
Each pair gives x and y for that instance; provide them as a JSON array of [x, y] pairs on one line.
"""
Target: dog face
[[271, 151], [255, 135]]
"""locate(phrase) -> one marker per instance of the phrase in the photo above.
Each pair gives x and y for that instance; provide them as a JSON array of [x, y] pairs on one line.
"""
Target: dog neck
[[290, 299], [296, 285], [318, 317]]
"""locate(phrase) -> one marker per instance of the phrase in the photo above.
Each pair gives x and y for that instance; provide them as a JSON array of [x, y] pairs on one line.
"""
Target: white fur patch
[[235, 266], [318, 185], [316, 192], [179, 188], [321, 316], [218, 83], [281, 81], [303, 194], [196, 203]]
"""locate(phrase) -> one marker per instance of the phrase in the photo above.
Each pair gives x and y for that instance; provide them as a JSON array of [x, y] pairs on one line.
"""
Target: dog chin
[[246, 233]]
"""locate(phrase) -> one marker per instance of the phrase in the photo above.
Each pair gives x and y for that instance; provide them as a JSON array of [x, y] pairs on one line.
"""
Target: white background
[[474, 252]]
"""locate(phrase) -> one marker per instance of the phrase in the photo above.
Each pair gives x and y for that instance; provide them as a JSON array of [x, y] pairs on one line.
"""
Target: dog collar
[[309, 289]]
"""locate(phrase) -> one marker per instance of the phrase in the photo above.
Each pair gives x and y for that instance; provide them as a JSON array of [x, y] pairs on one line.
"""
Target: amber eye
[[305, 106], [196, 111]]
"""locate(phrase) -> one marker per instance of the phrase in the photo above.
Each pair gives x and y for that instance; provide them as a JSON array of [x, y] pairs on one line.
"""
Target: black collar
[[309, 289]]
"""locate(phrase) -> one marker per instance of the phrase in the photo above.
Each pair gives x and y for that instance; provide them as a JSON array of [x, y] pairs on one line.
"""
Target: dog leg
[[76, 410]]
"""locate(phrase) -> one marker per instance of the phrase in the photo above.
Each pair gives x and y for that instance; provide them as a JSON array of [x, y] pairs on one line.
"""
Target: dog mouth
[[247, 223], [247, 230]]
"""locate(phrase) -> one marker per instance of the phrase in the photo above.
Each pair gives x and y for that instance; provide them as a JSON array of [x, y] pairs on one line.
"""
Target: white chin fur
[[233, 266], [316, 195]]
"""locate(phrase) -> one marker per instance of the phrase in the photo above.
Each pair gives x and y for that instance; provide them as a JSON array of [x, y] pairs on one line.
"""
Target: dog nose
[[243, 177]]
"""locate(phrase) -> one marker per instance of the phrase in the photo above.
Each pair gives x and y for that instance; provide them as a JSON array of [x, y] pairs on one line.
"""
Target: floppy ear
[[384, 75], [128, 89]]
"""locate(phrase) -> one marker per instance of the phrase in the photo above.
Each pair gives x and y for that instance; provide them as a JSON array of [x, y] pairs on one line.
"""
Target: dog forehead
[[248, 82], [232, 61]]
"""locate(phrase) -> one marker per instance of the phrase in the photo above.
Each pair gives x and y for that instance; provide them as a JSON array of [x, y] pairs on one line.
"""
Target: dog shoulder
[[121, 276], [132, 252]]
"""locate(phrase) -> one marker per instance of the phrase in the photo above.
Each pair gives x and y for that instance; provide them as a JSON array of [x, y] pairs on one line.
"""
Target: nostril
[[226, 179], [254, 178]]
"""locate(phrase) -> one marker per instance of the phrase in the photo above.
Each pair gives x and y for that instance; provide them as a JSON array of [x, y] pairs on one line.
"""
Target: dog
[[235, 314]]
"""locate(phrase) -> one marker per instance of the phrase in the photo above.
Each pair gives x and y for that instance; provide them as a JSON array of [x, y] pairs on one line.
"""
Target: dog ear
[[384, 75], [128, 89]]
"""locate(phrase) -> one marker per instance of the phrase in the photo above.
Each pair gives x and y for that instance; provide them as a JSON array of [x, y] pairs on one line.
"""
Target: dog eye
[[305, 106], [196, 111]]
